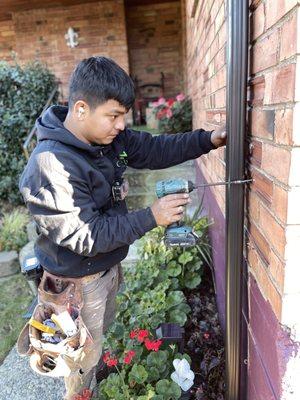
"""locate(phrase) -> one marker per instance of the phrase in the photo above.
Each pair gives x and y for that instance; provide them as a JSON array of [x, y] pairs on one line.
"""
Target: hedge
[[23, 93]]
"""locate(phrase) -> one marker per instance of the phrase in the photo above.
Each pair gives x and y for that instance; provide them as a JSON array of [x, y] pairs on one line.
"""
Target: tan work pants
[[98, 312]]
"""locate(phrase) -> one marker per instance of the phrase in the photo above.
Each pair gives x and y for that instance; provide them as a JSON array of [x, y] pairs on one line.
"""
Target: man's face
[[104, 123]]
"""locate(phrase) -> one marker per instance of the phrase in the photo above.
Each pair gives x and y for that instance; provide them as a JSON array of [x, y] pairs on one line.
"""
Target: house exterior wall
[[154, 41], [7, 39], [39, 34], [272, 217], [205, 84]]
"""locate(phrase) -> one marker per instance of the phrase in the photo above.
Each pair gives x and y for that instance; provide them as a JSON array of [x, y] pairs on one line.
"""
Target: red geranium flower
[[129, 356], [153, 345], [106, 356], [156, 345], [112, 362], [109, 360], [170, 102], [133, 334], [87, 394], [142, 334]]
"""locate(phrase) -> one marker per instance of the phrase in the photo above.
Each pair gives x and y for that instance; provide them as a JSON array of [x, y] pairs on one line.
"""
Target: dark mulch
[[204, 342]]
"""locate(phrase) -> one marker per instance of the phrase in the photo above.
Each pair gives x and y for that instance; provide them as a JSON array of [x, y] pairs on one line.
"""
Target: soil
[[204, 341]]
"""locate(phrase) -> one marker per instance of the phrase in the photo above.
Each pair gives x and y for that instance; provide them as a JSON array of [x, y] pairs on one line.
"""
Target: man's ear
[[81, 109]]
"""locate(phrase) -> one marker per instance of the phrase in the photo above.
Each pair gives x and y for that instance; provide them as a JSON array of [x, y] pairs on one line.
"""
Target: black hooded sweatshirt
[[67, 187]]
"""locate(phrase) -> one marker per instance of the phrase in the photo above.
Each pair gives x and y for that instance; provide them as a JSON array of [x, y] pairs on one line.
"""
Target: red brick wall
[[272, 95], [206, 78], [271, 101], [154, 41], [7, 39], [272, 202], [40, 34]]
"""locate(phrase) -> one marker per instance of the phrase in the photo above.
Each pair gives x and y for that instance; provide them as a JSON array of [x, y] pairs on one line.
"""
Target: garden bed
[[204, 341], [170, 286]]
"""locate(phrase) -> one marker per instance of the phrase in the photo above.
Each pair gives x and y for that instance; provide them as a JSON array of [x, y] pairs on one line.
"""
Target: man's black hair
[[96, 80]]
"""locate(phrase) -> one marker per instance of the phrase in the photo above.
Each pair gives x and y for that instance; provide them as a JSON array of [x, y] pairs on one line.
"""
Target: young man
[[73, 188]]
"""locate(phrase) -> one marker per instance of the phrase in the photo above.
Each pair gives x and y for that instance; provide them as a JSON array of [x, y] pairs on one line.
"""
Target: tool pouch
[[55, 295]]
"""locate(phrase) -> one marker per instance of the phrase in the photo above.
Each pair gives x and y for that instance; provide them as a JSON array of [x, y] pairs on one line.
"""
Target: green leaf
[[156, 319], [185, 356], [153, 374], [138, 374], [185, 257], [168, 389], [112, 386], [192, 280], [184, 307], [158, 359], [195, 266], [177, 317], [173, 298], [173, 269], [118, 331], [174, 284]]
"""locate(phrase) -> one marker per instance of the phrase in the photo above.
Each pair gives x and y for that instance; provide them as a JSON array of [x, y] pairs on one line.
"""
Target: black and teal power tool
[[177, 234]]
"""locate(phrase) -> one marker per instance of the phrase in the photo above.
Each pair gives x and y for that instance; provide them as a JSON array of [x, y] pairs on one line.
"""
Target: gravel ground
[[19, 382]]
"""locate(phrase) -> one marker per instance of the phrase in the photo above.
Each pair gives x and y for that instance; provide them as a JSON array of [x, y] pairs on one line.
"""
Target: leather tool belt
[[56, 295]]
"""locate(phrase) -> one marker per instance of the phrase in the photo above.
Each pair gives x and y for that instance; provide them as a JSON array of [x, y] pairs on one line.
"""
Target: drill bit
[[226, 183]]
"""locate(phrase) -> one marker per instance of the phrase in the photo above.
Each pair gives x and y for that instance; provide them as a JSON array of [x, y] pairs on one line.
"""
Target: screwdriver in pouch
[[41, 327]]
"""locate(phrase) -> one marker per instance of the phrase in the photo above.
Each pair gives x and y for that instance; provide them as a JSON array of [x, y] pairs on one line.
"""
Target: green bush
[[13, 234], [23, 93], [174, 115]]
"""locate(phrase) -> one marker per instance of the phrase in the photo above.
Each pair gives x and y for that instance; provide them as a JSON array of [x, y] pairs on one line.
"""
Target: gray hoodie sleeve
[[65, 212]]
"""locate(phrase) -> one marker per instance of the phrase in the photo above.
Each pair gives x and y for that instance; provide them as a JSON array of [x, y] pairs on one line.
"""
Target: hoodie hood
[[50, 127]]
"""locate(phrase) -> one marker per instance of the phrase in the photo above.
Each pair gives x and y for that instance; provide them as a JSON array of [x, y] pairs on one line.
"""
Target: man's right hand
[[170, 208]]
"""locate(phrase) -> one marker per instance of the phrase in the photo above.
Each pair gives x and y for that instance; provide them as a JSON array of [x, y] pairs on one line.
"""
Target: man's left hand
[[219, 136]]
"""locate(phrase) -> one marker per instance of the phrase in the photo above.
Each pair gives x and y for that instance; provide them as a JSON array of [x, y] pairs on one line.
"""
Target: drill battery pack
[[31, 268], [182, 236]]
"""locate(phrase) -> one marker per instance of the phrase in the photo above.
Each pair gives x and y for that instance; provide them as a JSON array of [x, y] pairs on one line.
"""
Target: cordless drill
[[177, 234]]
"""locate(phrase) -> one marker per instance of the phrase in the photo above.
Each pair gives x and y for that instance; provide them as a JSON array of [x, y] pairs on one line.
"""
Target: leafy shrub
[[13, 234], [174, 115], [23, 94]]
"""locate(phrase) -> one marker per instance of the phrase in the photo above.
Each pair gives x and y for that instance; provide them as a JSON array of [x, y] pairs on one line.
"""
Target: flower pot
[[171, 333]]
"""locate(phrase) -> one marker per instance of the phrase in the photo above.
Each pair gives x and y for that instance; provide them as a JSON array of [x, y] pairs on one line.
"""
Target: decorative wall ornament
[[71, 38]]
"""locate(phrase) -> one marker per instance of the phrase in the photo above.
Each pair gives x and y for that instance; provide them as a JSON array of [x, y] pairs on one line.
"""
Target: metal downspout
[[237, 74]]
